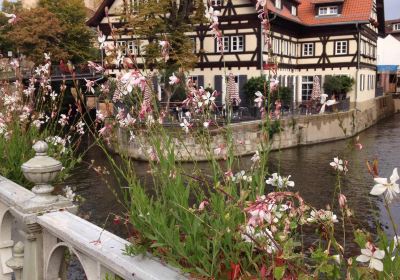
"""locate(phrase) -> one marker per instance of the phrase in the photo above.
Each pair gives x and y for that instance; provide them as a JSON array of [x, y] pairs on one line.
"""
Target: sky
[[392, 9]]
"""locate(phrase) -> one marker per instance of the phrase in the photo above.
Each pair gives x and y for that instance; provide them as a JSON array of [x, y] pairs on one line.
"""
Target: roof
[[353, 11], [389, 26], [326, 1]]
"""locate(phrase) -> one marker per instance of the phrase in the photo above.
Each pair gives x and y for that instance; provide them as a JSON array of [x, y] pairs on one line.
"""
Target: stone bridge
[[37, 229]]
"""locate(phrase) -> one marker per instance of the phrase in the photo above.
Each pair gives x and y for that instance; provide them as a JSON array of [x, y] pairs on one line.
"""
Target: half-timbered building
[[309, 38]]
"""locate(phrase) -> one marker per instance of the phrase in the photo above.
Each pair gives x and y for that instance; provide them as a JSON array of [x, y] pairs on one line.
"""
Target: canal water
[[308, 166]]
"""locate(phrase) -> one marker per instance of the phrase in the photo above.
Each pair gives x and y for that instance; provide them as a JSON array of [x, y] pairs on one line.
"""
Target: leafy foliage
[[338, 84], [38, 31], [77, 37]]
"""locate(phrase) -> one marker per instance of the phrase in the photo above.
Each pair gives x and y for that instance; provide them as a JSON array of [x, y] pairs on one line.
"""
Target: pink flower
[[12, 18], [94, 66], [89, 86], [203, 204], [342, 200], [173, 80]]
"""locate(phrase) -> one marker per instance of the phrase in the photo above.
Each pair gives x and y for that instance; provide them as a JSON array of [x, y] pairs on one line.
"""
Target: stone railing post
[[41, 170], [16, 263]]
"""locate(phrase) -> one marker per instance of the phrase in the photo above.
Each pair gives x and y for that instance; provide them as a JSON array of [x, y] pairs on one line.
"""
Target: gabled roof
[[352, 11]]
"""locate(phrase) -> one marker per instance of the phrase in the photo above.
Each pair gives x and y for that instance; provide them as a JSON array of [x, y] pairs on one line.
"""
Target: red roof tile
[[353, 11]]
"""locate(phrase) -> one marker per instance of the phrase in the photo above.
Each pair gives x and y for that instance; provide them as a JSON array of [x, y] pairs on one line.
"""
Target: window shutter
[[200, 81], [218, 88], [242, 82]]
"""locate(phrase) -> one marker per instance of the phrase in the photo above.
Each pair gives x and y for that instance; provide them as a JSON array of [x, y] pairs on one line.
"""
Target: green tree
[[338, 85], [77, 37], [11, 7], [253, 85], [158, 20], [38, 31]]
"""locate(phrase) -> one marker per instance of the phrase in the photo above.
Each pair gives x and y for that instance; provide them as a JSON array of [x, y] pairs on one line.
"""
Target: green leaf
[[279, 272]]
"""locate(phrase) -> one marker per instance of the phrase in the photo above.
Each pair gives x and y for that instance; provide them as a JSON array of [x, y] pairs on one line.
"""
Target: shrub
[[338, 85]]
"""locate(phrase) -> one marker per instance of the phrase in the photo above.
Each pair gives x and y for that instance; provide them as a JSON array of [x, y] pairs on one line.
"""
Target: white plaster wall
[[388, 51]]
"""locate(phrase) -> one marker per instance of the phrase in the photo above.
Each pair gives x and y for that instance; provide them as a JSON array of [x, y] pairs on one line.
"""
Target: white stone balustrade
[[37, 228]]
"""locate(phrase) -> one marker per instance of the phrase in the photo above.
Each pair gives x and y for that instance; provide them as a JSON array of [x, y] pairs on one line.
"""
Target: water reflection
[[308, 165]]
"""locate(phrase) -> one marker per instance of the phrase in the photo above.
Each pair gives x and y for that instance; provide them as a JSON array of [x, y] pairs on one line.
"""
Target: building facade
[[309, 38], [90, 4], [392, 27], [389, 64]]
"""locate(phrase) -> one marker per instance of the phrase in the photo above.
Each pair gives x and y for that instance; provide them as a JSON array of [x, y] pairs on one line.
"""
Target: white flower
[[185, 125], [208, 98], [164, 44], [53, 95], [90, 86], [373, 256], [38, 123], [69, 194], [12, 17], [279, 181], [63, 120], [323, 216], [212, 15], [259, 99], [101, 39], [339, 165], [173, 80], [80, 127], [131, 136], [206, 124], [256, 157], [390, 189], [252, 234], [47, 56]]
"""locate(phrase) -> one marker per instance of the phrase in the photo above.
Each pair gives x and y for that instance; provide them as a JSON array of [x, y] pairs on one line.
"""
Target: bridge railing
[[37, 229]]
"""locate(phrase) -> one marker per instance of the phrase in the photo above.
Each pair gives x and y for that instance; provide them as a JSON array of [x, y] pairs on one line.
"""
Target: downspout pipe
[[358, 64]]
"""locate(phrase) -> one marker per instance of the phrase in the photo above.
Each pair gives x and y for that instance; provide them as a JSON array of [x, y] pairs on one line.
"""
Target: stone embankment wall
[[295, 131]]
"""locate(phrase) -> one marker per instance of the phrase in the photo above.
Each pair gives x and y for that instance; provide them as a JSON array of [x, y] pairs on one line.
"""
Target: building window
[[225, 44], [362, 82], [237, 43], [217, 3], [328, 11], [308, 49], [306, 87], [341, 47], [132, 48], [195, 80], [396, 27], [121, 45], [294, 10], [278, 4]]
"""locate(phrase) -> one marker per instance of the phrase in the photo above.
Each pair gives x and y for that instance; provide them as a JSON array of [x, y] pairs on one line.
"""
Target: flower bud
[[342, 200]]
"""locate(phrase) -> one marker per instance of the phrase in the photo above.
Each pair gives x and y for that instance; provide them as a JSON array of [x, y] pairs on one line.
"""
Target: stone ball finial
[[40, 148]]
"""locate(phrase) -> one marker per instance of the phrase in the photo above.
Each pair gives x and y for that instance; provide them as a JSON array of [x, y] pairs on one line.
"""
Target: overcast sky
[[392, 9]]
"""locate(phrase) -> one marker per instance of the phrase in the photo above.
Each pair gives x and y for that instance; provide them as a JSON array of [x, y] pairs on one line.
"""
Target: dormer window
[[278, 4], [328, 11], [396, 27], [294, 10]]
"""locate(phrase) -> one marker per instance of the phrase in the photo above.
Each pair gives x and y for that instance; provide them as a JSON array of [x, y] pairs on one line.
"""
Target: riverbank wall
[[289, 132]]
